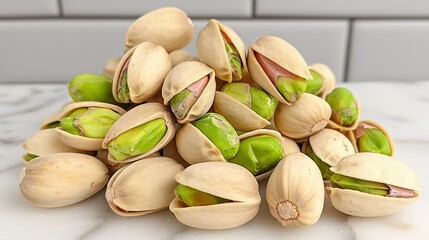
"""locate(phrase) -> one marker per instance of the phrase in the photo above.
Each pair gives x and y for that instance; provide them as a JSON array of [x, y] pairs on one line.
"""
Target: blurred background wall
[[50, 41]]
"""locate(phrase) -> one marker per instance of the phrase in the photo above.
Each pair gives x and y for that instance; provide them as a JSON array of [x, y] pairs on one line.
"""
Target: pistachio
[[230, 191], [295, 193], [168, 27], [51, 121], [372, 185], [179, 56], [370, 136], [327, 77], [278, 68], [91, 87], [61, 179], [315, 85], [345, 109]]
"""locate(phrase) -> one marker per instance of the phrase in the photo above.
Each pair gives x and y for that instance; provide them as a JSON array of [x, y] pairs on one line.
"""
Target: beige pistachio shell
[[110, 67], [327, 76], [211, 49], [112, 166], [137, 116], [240, 116], [371, 124], [372, 167], [148, 65], [333, 125], [330, 146], [290, 146], [143, 187], [183, 75], [52, 118], [62, 179], [225, 180], [283, 54], [303, 118], [81, 142], [169, 27], [180, 56], [195, 147], [170, 150], [295, 191], [47, 141]]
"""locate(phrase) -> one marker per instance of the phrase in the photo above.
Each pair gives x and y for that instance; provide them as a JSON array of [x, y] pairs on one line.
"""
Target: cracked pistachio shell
[[330, 146], [377, 168], [211, 49], [147, 66], [143, 187], [45, 142], [305, 117], [110, 67], [168, 27], [327, 76], [182, 76], [347, 96], [137, 116], [351, 135], [82, 142], [53, 120], [226, 180], [180, 56], [102, 155], [170, 150], [283, 54], [295, 191], [61, 179]]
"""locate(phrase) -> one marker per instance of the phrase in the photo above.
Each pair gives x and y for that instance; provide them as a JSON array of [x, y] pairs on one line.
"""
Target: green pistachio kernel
[[343, 105], [124, 91], [324, 167], [256, 99], [234, 61], [182, 102], [30, 157], [192, 197], [259, 154], [53, 124], [291, 88], [137, 140], [91, 87], [314, 85], [220, 132], [374, 140], [92, 122], [370, 187]]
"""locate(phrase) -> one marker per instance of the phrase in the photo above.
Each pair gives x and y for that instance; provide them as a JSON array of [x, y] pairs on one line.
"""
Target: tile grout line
[[60, 6], [253, 9], [349, 42]]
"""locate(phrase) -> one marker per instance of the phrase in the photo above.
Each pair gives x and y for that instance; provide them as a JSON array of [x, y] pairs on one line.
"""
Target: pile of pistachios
[[161, 128]]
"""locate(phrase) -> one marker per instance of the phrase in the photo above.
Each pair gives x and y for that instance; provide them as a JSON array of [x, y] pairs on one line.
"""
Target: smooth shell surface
[[305, 117], [137, 116], [180, 56], [143, 187], [169, 27], [183, 75], [225, 180], [295, 191], [82, 142], [61, 179]]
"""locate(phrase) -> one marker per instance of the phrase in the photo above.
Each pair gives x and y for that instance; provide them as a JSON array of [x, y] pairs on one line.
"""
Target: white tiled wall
[[52, 40]]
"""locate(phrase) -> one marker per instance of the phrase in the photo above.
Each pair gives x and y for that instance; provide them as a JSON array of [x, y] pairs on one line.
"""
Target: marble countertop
[[402, 108]]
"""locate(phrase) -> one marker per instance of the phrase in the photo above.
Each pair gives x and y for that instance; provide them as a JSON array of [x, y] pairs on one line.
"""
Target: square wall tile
[[56, 50], [342, 8], [389, 51], [29, 8], [136, 8]]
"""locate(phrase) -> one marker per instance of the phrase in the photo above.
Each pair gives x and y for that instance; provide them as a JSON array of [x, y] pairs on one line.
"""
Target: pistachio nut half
[[259, 152], [327, 76], [179, 56], [222, 49], [215, 195], [326, 148], [141, 73], [85, 124], [305, 117], [246, 107], [210, 138], [141, 131], [345, 109], [168, 27], [295, 191], [372, 185], [110, 67], [91, 87], [45, 142], [370, 136], [278, 68], [189, 88], [143, 187], [61, 179]]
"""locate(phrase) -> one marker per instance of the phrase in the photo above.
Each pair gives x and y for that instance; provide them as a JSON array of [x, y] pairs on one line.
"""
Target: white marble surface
[[402, 108]]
